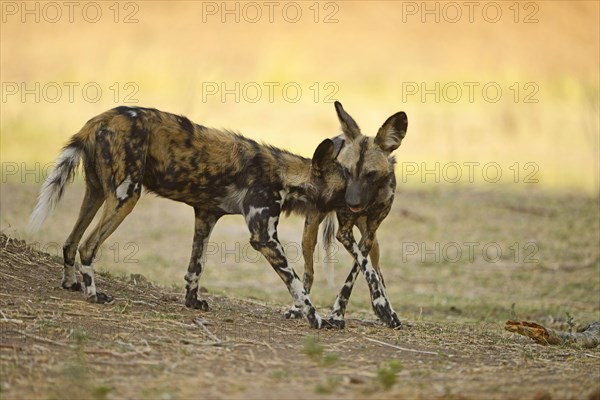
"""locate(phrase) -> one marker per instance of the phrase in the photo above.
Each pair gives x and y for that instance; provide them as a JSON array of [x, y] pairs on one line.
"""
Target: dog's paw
[[293, 313], [196, 304], [74, 287], [100, 298], [336, 323]]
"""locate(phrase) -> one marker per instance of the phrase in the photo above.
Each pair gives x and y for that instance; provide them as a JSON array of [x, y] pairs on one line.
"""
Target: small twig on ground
[[255, 302], [434, 353], [276, 326], [135, 363], [111, 353], [8, 239], [13, 277], [124, 308], [143, 302], [342, 342], [40, 339], [135, 351], [11, 320], [14, 321], [224, 343], [126, 345], [201, 323], [365, 322], [262, 343]]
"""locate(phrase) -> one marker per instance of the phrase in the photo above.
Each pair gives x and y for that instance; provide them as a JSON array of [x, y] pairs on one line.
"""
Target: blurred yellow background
[[272, 70]]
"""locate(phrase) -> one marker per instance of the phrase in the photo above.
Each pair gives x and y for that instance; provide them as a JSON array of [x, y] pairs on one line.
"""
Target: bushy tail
[[54, 185], [329, 230]]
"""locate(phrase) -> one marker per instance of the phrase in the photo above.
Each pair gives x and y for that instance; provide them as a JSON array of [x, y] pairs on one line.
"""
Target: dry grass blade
[[202, 324], [39, 338], [9, 320], [434, 353], [12, 277]]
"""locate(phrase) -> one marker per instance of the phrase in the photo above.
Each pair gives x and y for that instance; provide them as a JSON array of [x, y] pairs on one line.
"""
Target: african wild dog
[[215, 172], [371, 183]]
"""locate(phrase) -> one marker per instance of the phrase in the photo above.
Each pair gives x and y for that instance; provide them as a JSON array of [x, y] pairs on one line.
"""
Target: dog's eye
[[371, 175]]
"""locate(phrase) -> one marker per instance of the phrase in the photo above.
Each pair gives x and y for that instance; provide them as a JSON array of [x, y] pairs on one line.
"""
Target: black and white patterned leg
[[341, 301], [262, 217], [293, 313], [91, 295], [381, 304], [69, 278], [203, 225]]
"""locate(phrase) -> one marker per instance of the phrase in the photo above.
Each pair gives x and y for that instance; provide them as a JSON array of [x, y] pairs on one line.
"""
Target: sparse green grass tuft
[[570, 322], [280, 374], [316, 352], [79, 334], [312, 348], [330, 359], [328, 386], [527, 354], [101, 391], [386, 375]]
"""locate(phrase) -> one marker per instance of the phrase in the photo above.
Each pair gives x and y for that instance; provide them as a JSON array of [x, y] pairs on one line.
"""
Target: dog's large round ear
[[323, 156], [349, 126], [392, 132]]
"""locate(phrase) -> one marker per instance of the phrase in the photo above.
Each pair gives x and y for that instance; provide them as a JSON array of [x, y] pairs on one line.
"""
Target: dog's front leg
[[262, 216], [203, 225], [341, 301], [379, 300]]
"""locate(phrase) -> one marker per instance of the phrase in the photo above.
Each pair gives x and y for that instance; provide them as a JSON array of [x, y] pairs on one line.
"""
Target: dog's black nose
[[354, 205], [354, 196]]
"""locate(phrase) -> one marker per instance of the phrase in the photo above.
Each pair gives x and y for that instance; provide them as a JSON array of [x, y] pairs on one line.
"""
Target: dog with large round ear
[[323, 157], [390, 135], [368, 168], [364, 199], [388, 138], [365, 160]]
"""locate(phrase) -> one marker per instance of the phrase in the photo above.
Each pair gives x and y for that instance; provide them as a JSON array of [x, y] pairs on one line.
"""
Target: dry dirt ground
[[148, 345]]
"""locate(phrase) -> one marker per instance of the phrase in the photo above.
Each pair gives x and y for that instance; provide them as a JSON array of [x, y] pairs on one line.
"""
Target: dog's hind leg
[[114, 213], [309, 241], [93, 199], [119, 163]]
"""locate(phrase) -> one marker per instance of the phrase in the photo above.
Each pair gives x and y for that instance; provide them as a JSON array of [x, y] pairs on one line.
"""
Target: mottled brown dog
[[215, 172]]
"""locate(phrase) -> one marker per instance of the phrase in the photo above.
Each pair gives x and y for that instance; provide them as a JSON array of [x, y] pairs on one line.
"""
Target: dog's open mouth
[[356, 210]]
